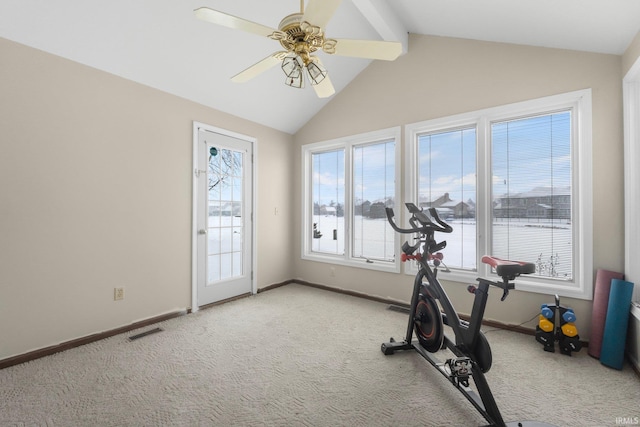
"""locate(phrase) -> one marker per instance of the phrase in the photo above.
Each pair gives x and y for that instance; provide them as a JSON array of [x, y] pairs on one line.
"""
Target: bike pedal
[[459, 368]]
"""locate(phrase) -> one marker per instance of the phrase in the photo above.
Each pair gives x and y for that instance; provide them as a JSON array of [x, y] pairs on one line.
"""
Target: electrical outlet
[[118, 294]]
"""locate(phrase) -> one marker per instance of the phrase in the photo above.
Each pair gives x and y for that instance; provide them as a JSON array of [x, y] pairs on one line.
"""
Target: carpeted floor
[[299, 356]]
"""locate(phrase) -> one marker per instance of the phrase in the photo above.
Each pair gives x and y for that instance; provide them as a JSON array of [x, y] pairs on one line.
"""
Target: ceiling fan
[[301, 34]]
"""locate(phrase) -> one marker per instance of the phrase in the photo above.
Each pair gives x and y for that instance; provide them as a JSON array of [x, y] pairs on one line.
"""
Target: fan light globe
[[297, 82], [292, 65], [317, 72]]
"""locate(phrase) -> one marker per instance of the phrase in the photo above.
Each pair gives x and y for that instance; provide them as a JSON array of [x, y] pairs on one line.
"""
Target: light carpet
[[300, 356]]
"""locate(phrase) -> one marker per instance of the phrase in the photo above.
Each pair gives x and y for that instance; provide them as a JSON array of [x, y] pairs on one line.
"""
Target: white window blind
[[531, 171], [529, 197], [447, 182]]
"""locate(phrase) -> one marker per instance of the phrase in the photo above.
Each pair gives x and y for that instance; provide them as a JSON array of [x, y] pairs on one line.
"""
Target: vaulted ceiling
[[159, 43]]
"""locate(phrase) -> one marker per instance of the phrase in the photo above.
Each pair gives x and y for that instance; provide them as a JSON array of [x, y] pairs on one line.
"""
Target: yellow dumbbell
[[545, 324], [569, 329]]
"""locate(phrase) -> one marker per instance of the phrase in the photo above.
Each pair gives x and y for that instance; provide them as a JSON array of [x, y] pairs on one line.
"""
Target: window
[[327, 191], [515, 182], [531, 205], [348, 184], [447, 181]]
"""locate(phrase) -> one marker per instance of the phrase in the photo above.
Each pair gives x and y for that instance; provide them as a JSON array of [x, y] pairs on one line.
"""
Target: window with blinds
[[447, 181], [531, 206], [514, 182]]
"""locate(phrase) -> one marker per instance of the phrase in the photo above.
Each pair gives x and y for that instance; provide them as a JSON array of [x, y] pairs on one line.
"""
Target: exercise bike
[[470, 347]]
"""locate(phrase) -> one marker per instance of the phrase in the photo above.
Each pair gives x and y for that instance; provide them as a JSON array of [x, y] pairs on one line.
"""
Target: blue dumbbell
[[569, 316], [546, 311]]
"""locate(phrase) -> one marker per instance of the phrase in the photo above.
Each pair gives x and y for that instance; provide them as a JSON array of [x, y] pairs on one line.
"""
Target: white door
[[224, 217]]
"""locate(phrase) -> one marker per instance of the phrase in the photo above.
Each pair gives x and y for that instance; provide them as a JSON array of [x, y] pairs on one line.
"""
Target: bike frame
[[466, 338], [466, 333], [470, 346]]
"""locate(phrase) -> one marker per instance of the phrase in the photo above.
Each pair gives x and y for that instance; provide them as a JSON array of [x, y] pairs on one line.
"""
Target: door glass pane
[[236, 165], [213, 219], [237, 188], [447, 182], [225, 239], [236, 239], [237, 214], [213, 244], [225, 266], [237, 264], [226, 208], [213, 268]]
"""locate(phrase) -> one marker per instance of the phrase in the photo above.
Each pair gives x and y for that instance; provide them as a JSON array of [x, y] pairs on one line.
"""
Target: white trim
[[194, 220], [631, 103], [384, 20], [347, 143], [254, 216], [580, 102], [194, 208]]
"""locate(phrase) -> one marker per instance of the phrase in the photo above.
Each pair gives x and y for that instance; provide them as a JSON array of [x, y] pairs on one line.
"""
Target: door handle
[[202, 231]]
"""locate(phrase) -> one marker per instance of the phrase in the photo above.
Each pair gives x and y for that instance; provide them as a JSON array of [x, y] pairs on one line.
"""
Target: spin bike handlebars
[[421, 223], [418, 216]]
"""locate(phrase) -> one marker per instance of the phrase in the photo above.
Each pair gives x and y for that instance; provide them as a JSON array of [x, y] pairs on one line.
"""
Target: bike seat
[[509, 269]]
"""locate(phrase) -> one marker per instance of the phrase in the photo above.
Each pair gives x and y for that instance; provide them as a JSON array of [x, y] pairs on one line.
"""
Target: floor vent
[[144, 334], [399, 308]]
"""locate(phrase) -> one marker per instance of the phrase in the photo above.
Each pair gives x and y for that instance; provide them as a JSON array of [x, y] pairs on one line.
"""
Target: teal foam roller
[[615, 328]]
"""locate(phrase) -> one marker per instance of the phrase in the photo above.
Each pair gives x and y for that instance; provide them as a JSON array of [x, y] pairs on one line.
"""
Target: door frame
[[195, 201]]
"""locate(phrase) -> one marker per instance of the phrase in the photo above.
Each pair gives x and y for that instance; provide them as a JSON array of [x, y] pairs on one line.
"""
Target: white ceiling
[[159, 43]]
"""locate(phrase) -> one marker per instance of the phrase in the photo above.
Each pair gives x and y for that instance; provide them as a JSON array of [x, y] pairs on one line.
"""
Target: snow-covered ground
[[530, 240]]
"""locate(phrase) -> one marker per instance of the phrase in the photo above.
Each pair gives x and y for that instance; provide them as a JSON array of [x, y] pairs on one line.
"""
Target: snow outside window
[[514, 182], [348, 184]]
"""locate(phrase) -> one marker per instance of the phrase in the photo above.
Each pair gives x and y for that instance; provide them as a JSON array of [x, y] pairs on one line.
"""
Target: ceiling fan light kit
[[297, 82], [317, 73], [302, 34], [292, 66]]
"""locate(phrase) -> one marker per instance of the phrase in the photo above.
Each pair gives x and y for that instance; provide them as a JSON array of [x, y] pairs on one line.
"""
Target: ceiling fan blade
[[259, 67], [324, 89], [230, 21], [371, 49], [319, 12]]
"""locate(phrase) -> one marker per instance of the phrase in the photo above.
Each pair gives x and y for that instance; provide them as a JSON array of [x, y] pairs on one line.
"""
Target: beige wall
[[95, 179], [444, 76], [95, 192]]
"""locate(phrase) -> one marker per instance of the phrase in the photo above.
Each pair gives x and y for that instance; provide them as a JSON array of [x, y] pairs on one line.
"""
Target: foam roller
[[615, 328], [600, 305]]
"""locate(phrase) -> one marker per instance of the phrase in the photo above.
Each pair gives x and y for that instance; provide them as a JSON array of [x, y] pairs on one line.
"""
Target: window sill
[[523, 283], [389, 267]]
